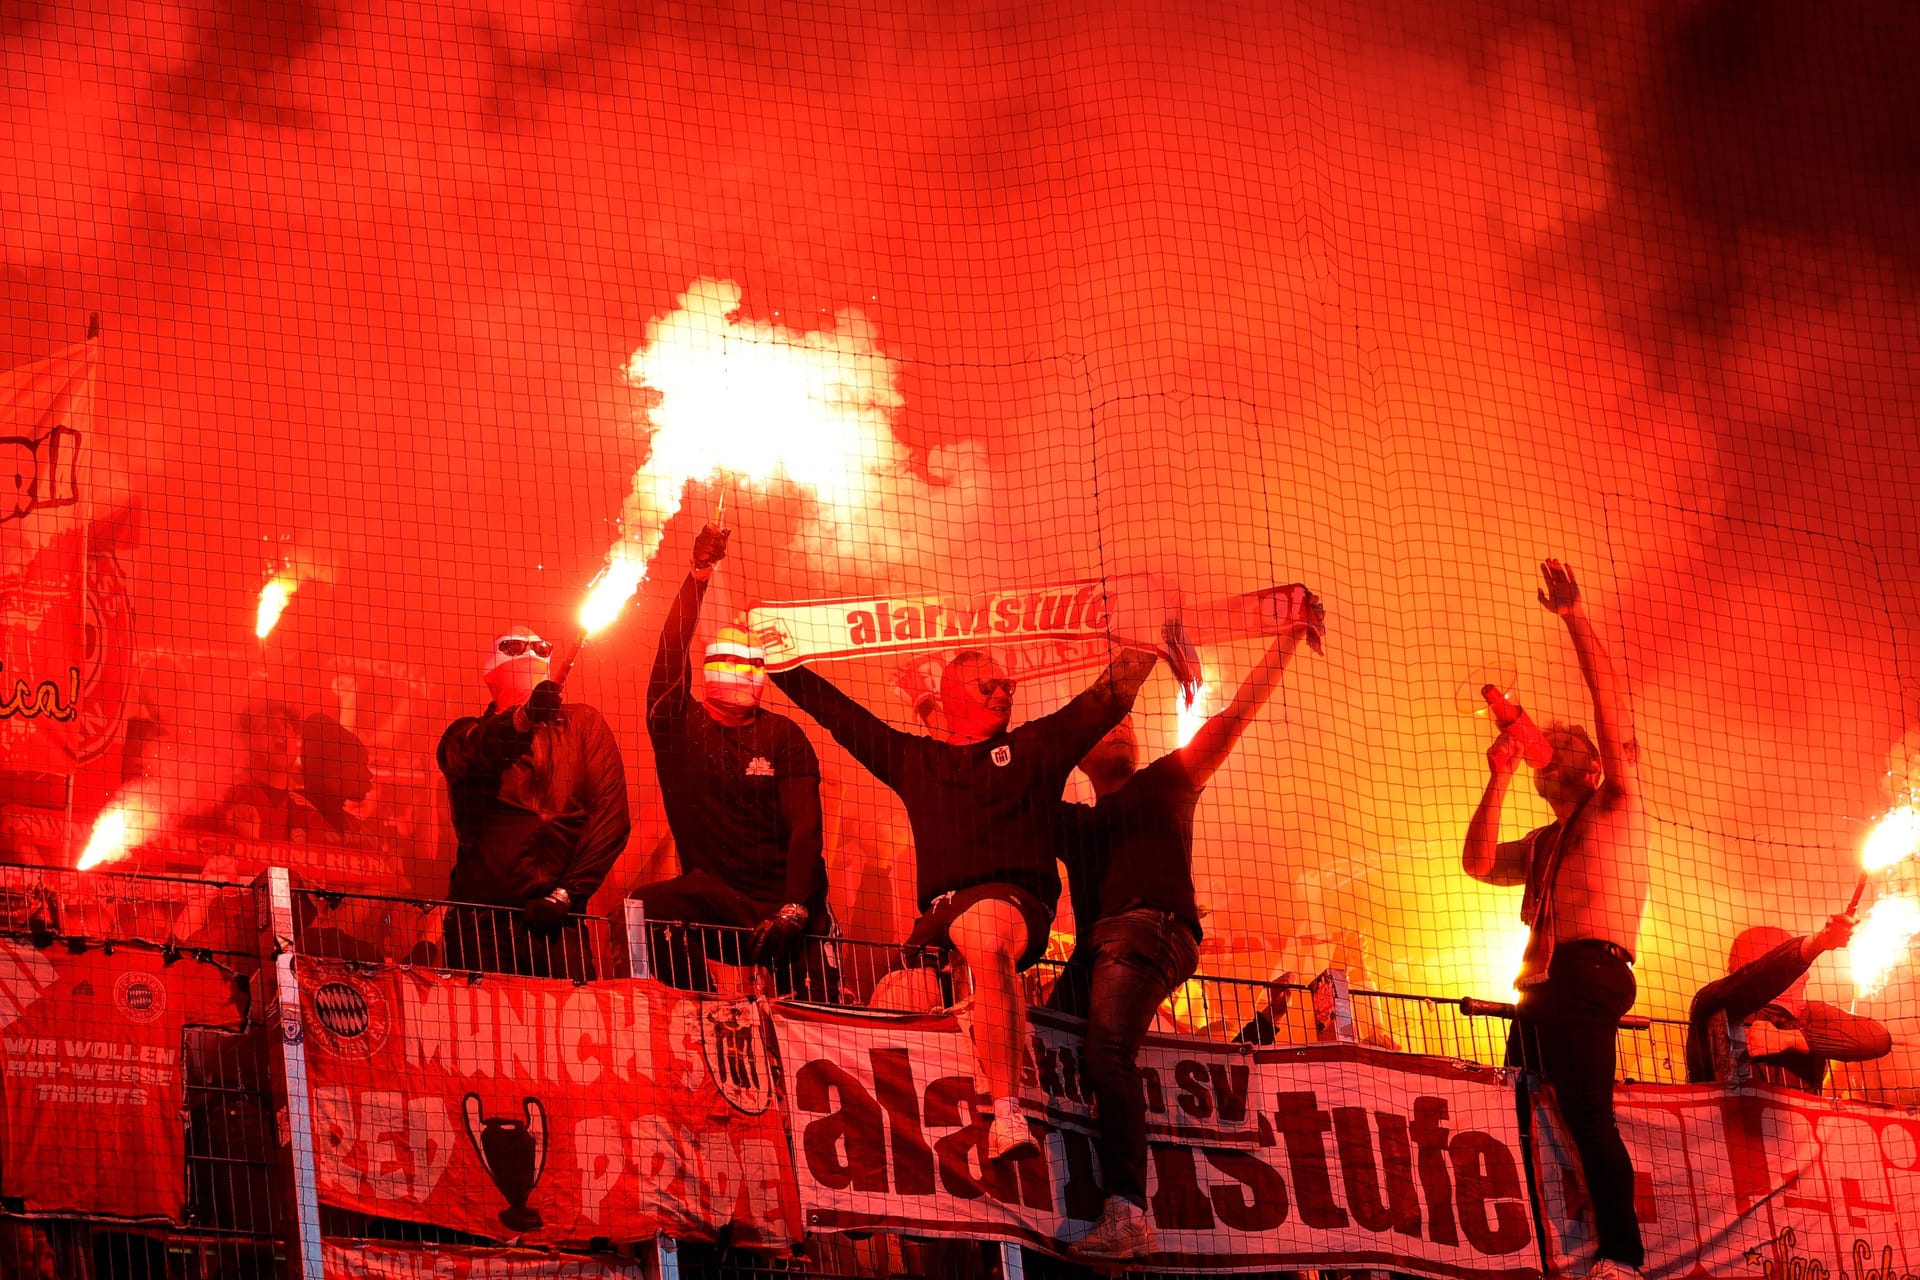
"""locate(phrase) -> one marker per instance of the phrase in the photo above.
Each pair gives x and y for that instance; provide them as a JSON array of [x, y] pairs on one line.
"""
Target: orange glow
[[115, 833], [748, 405], [1192, 714], [273, 602], [1893, 839], [1881, 942]]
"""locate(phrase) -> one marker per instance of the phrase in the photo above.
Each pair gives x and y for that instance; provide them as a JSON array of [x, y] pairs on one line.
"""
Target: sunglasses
[[991, 687], [514, 647]]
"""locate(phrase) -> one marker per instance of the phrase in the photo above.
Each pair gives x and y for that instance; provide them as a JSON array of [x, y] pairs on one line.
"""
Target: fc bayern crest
[[140, 997], [733, 1036], [350, 1016]]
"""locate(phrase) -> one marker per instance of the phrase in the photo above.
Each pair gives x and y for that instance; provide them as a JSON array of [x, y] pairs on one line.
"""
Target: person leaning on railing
[[1789, 1039], [741, 786], [539, 797]]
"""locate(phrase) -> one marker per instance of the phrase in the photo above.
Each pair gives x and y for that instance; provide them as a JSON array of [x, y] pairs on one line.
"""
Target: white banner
[[1131, 607], [1330, 1156], [1755, 1182]]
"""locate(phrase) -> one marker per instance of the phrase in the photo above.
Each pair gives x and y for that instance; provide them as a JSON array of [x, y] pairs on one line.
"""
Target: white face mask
[[516, 662], [735, 676], [739, 690]]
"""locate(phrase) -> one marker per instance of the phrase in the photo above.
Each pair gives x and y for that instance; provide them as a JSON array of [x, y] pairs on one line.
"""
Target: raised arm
[[1218, 736], [670, 685], [1102, 704], [1613, 717], [1485, 858], [867, 738]]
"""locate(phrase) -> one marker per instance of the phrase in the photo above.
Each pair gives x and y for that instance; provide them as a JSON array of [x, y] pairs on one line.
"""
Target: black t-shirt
[[983, 812], [1134, 848], [721, 787], [721, 784]]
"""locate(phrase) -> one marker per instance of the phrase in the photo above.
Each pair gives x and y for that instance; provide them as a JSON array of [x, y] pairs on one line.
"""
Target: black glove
[[709, 547], [543, 704], [544, 913], [772, 936]]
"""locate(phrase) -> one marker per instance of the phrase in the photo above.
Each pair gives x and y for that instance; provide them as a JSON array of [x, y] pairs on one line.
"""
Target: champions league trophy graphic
[[513, 1152]]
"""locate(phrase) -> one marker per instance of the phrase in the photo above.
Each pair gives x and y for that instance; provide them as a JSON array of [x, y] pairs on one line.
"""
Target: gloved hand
[[709, 547], [543, 704], [772, 936], [544, 913]]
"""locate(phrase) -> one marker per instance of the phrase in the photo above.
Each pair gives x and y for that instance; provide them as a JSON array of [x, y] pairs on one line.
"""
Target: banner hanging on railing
[[1336, 1157], [543, 1111], [90, 1045], [1747, 1183]]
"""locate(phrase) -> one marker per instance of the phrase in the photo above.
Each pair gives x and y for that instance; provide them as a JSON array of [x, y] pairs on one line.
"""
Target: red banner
[[543, 1111], [46, 412], [92, 1091], [1334, 1157], [375, 1261], [1748, 1182]]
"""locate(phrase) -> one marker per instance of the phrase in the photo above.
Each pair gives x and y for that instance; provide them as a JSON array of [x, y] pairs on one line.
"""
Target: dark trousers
[[1139, 957], [1566, 1029], [697, 917], [499, 940]]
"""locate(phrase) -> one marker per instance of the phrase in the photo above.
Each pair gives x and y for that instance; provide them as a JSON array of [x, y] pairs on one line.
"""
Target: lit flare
[[116, 832], [1893, 839], [1882, 942], [1191, 712], [274, 597], [749, 405]]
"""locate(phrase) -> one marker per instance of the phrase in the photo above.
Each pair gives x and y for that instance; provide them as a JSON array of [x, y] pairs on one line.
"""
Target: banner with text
[[1336, 1157], [1754, 1182], [91, 1084], [1129, 607], [544, 1111]]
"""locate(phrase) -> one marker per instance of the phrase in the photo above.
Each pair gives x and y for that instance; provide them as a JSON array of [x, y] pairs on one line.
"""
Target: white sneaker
[[1608, 1269], [1122, 1232], [1010, 1136]]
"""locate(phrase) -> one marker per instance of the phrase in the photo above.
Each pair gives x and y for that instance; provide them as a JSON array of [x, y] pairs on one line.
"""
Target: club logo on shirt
[[139, 997], [1003, 754], [759, 767]]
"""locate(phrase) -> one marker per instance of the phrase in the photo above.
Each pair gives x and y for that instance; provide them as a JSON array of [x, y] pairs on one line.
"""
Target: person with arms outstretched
[[1586, 891], [982, 804], [741, 786], [1130, 862]]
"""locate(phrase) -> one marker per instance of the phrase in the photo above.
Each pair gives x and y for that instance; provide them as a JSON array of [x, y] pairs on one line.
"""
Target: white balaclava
[[516, 662]]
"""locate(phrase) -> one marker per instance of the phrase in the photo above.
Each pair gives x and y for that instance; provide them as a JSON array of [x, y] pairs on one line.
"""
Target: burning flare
[[1190, 712], [1893, 839], [1881, 942], [274, 596], [116, 832], [753, 404]]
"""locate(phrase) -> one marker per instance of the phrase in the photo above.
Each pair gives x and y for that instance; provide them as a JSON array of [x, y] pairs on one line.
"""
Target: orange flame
[[1893, 839], [1190, 714], [1882, 941], [116, 832], [751, 404], [274, 596]]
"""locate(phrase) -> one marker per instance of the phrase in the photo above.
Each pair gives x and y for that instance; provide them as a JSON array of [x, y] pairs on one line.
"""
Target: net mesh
[[416, 324]]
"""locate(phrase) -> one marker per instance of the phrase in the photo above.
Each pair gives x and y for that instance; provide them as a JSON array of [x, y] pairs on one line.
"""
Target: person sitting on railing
[[982, 803], [1789, 1038], [1130, 861], [539, 798], [1586, 890], [741, 786]]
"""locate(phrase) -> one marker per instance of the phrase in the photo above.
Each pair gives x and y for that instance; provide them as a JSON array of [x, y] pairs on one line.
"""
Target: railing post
[[1013, 1263], [277, 1005], [639, 961], [1332, 1007]]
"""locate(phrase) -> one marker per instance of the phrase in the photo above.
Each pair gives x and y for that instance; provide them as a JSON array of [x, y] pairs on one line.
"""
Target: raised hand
[[709, 547], [1561, 595]]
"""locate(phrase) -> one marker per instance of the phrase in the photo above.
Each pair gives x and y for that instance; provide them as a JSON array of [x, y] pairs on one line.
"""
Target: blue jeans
[[1139, 958]]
